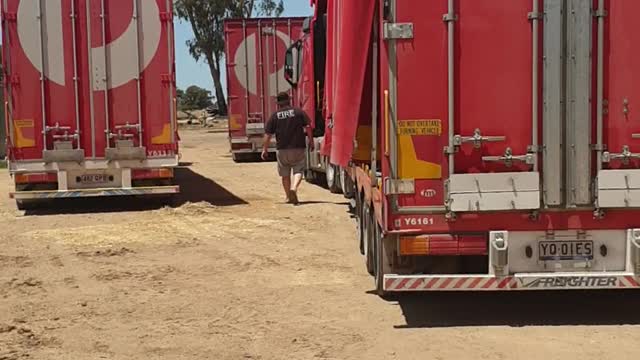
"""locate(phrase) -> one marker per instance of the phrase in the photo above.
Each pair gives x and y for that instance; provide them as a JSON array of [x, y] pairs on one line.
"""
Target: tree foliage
[[207, 23], [194, 98]]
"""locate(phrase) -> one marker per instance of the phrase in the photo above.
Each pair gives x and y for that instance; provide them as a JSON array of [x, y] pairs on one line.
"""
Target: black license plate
[[565, 250], [94, 179]]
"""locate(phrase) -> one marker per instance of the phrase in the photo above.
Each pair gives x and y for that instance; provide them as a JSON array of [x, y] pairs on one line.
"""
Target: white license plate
[[565, 250], [94, 179]]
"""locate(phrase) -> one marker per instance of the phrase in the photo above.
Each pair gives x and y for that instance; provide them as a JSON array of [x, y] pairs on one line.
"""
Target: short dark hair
[[283, 98]]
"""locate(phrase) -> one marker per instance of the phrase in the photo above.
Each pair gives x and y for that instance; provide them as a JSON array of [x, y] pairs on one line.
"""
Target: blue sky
[[189, 72]]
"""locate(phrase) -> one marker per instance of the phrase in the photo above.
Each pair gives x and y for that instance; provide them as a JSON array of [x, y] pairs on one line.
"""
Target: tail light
[[36, 178], [444, 244], [142, 174]]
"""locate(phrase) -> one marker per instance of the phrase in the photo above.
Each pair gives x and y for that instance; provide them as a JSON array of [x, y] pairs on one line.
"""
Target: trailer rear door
[[255, 51], [463, 104], [89, 79], [619, 99]]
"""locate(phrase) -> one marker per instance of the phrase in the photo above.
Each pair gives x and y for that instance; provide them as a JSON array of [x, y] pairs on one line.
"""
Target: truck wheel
[[333, 181], [347, 185], [238, 158], [360, 223], [368, 232], [311, 176], [378, 259], [26, 205]]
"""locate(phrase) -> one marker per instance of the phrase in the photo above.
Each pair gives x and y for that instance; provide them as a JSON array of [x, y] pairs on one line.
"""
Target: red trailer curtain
[[353, 26]]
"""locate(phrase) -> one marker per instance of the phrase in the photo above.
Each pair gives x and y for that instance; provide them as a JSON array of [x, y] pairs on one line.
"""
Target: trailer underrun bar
[[519, 282], [110, 192]]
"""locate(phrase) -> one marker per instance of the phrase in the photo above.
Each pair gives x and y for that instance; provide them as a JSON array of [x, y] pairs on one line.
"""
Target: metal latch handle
[[66, 136], [477, 139], [128, 126], [508, 158], [57, 127], [625, 156]]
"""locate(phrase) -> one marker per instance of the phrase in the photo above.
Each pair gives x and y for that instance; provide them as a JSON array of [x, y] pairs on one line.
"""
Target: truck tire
[[333, 180], [311, 176], [238, 158], [368, 241], [347, 184], [360, 223], [378, 259], [26, 205]]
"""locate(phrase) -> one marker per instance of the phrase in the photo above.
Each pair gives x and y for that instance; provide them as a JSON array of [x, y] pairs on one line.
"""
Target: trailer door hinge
[[166, 16], [10, 16], [395, 31], [166, 78], [600, 13], [449, 17], [535, 15]]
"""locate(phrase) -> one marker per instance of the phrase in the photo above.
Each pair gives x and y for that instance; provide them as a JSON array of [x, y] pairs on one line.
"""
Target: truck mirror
[[290, 66]]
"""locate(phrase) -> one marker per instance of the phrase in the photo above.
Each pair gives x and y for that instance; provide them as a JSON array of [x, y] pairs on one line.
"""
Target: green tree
[[194, 98], [207, 23]]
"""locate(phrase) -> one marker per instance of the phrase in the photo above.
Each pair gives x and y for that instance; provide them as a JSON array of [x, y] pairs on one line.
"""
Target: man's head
[[283, 99]]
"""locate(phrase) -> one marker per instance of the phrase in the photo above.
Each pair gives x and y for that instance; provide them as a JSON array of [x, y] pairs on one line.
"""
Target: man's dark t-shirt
[[288, 125]]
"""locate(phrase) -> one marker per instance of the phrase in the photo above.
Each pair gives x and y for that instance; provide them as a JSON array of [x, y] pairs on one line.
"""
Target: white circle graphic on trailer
[[274, 79], [121, 52]]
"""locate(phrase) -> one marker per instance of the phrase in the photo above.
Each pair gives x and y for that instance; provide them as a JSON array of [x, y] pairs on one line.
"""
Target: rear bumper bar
[[255, 142], [54, 194], [521, 282]]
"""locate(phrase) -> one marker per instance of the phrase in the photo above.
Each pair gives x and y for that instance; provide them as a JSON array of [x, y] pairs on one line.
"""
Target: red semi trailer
[[254, 51], [504, 154], [90, 98]]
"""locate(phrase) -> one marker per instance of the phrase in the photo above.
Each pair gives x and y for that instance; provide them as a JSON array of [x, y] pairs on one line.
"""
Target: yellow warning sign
[[23, 123], [420, 127]]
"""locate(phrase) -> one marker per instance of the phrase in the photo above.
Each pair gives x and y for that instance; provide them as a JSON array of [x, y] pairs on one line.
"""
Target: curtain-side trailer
[[504, 150], [90, 97]]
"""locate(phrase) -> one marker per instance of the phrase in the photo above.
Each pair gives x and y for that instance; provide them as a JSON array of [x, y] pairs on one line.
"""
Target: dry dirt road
[[232, 273]]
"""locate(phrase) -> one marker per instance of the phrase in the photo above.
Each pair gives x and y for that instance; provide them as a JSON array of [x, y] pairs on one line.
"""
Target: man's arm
[[269, 131], [265, 146]]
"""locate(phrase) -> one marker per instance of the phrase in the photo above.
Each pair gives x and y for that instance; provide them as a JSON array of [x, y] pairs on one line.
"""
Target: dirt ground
[[233, 273]]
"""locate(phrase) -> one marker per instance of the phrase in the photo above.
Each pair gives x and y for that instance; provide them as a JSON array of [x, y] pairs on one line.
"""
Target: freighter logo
[[571, 282], [121, 52]]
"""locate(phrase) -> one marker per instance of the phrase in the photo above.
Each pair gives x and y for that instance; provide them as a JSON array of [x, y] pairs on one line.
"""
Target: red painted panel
[[494, 75], [330, 73], [350, 74], [512, 221], [493, 70], [622, 76]]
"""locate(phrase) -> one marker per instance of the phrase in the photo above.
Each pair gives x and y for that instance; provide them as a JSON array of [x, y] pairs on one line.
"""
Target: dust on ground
[[233, 273]]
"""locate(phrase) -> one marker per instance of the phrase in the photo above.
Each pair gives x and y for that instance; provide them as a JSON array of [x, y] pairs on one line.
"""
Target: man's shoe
[[293, 197]]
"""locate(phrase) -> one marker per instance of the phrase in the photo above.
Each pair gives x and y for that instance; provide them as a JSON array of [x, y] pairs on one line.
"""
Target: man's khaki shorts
[[291, 160]]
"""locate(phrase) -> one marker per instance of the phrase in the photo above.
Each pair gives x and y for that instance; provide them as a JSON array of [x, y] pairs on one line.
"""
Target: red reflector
[[141, 174], [36, 178]]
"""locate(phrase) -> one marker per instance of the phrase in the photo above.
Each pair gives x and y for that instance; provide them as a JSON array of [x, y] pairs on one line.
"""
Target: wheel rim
[[331, 175]]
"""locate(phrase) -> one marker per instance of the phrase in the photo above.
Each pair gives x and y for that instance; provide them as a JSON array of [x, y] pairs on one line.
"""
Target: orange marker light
[[414, 245]]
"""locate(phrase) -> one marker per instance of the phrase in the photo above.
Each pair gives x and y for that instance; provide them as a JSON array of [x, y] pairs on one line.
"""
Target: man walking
[[289, 125]]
